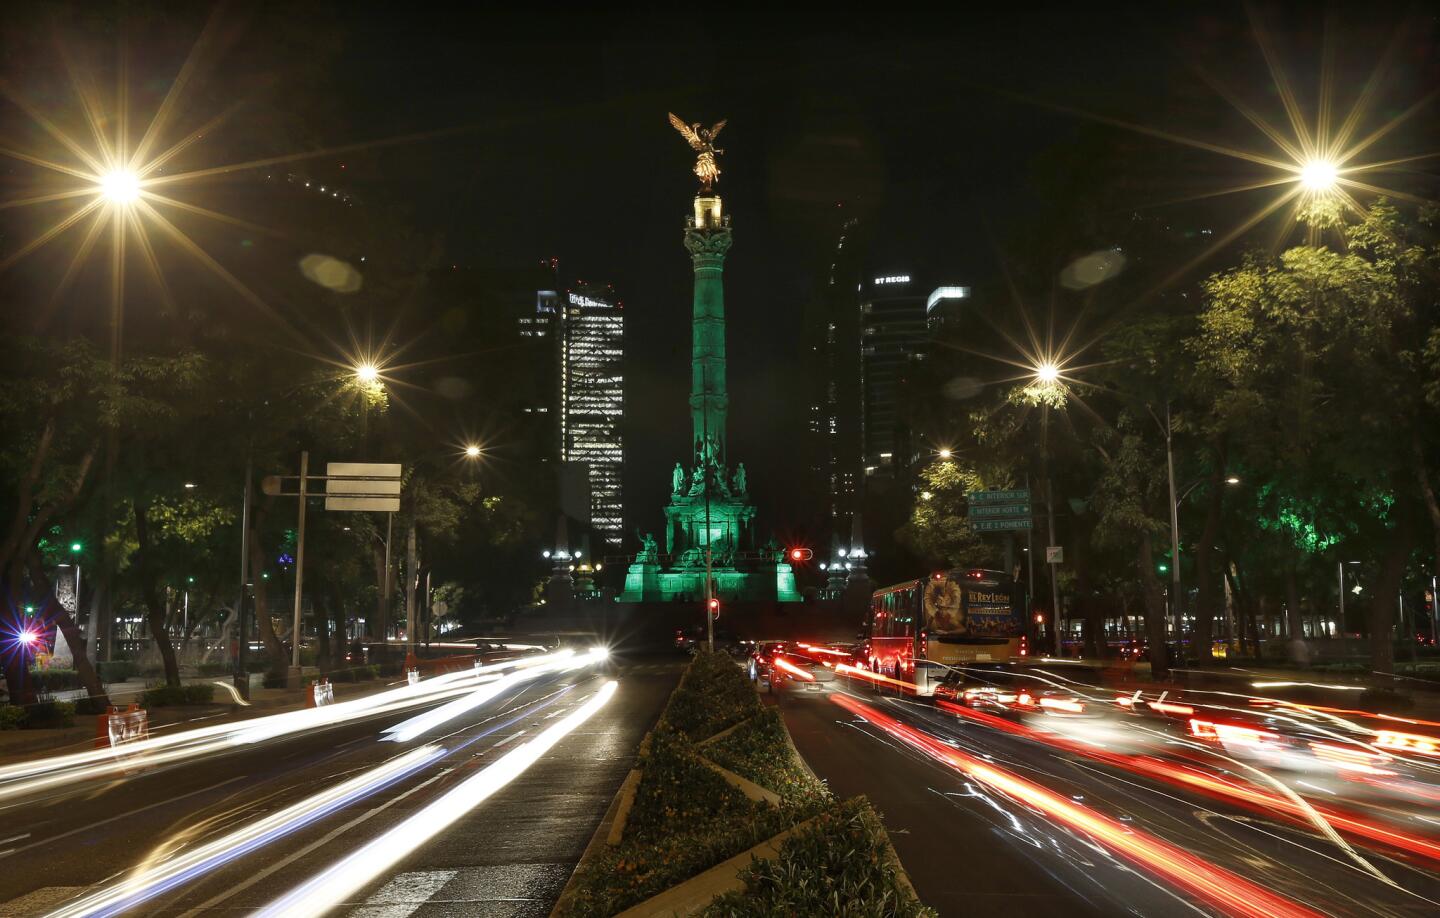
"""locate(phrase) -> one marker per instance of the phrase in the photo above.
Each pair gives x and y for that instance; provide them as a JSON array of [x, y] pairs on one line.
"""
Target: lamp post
[[1048, 373], [1178, 607]]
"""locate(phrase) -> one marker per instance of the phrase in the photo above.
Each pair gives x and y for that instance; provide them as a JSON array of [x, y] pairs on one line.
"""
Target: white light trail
[[340, 880], [65, 770], [405, 731], [180, 867]]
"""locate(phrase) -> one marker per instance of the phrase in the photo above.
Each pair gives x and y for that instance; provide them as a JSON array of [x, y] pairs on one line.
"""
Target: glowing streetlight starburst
[[1047, 372], [1319, 176], [472, 451], [367, 373], [120, 187], [107, 180]]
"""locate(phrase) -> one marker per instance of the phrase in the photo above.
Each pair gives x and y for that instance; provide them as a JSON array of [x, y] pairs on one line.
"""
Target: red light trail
[[1214, 885]]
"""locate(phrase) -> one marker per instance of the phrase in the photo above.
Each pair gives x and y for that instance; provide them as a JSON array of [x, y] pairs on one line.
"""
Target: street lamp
[[120, 187], [1318, 176], [367, 373], [472, 451], [1047, 372], [945, 454]]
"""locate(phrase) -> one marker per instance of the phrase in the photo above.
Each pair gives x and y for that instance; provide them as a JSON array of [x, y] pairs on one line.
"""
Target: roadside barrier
[[121, 725], [413, 675], [321, 694]]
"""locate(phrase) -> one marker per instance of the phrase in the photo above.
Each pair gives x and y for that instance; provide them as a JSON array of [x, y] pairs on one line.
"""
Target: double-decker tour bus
[[951, 618]]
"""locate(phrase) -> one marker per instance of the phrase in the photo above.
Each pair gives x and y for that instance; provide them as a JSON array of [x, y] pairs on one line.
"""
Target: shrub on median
[[685, 819], [759, 751], [158, 696], [838, 865], [11, 716], [713, 694]]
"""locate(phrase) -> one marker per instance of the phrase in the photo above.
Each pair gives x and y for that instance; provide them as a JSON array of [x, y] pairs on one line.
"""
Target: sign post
[[295, 681], [349, 486]]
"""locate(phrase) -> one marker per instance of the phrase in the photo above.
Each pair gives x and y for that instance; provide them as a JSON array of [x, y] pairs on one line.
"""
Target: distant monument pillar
[[707, 239]]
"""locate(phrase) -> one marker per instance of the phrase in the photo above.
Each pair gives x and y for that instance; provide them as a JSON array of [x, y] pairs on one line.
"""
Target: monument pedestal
[[642, 583]]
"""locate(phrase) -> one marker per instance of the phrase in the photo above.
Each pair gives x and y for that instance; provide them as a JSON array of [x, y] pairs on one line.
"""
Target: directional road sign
[[995, 510], [362, 486], [1015, 496], [999, 525]]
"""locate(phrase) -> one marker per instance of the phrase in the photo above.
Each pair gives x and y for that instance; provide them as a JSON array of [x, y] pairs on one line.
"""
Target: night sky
[[933, 128]]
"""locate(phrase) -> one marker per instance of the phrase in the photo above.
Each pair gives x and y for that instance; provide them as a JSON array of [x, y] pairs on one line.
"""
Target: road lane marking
[[318, 843], [101, 822]]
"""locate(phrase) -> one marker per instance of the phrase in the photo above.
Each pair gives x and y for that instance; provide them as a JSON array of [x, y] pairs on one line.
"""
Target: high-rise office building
[[591, 332], [893, 338], [833, 409]]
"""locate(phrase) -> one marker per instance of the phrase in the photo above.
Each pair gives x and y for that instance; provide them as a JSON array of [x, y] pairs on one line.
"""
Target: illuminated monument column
[[709, 504]]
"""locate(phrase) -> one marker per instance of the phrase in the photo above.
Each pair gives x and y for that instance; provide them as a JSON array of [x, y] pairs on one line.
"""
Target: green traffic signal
[[76, 546], [1163, 568]]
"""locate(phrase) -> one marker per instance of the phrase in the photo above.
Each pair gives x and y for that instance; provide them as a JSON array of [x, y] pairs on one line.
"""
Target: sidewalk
[[20, 745]]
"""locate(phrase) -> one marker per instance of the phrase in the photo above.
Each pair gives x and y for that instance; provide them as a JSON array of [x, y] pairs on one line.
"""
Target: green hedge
[[46, 715], [354, 674], [686, 818], [837, 865], [162, 695], [11, 716], [54, 680], [116, 670]]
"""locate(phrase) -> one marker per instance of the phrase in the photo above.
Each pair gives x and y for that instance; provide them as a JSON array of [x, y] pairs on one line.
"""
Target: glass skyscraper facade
[[592, 401]]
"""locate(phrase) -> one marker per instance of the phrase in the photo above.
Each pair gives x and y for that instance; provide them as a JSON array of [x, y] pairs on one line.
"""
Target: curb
[[901, 877], [696, 893], [612, 823], [620, 808]]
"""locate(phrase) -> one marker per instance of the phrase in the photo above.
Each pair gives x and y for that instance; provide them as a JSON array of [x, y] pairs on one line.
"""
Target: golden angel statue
[[703, 141]]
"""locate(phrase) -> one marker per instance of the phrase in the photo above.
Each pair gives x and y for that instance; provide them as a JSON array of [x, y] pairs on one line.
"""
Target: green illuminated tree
[[1316, 365]]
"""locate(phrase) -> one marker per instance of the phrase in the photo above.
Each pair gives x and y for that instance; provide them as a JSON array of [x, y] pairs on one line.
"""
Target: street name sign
[[1018, 495], [999, 525], [1000, 510]]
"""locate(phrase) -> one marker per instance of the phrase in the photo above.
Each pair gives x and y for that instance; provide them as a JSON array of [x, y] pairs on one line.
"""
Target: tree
[[1316, 361]]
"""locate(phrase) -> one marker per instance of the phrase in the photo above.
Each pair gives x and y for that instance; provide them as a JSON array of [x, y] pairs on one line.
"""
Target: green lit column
[[707, 239]]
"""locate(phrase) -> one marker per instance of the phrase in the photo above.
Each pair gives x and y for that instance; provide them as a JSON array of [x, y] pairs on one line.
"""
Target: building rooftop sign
[[893, 279], [945, 293], [577, 299]]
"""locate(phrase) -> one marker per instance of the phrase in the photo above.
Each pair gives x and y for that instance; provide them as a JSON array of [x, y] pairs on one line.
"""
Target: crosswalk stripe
[[404, 894], [39, 901]]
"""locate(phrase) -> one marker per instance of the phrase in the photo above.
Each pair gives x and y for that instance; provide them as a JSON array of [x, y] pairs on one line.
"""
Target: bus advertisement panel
[[953, 618]]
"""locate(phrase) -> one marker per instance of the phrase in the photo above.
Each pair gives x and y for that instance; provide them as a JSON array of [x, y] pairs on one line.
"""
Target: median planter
[[717, 787]]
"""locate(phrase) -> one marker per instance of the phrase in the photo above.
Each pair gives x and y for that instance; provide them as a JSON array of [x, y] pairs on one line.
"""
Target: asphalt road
[[509, 855], [974, 847]]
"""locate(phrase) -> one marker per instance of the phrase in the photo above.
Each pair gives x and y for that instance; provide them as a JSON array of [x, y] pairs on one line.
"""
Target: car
[[795, 670]]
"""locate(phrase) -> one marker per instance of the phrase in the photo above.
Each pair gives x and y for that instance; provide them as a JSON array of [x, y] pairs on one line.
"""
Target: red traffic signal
[[713, 605], [801, 554]]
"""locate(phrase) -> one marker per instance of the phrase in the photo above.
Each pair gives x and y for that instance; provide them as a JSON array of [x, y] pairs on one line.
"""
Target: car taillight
[[1407, 742]]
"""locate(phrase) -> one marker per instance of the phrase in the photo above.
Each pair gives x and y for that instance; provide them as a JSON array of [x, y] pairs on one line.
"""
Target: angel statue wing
[[715, 131], [687, 132]]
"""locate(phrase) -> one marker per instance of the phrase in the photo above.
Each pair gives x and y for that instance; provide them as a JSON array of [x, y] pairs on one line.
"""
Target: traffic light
[[801, 554], [76, 547], [713, 604], [1162, 567]]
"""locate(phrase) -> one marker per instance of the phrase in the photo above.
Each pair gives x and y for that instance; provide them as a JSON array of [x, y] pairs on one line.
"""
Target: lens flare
[[120, 187], [1318, 175]]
